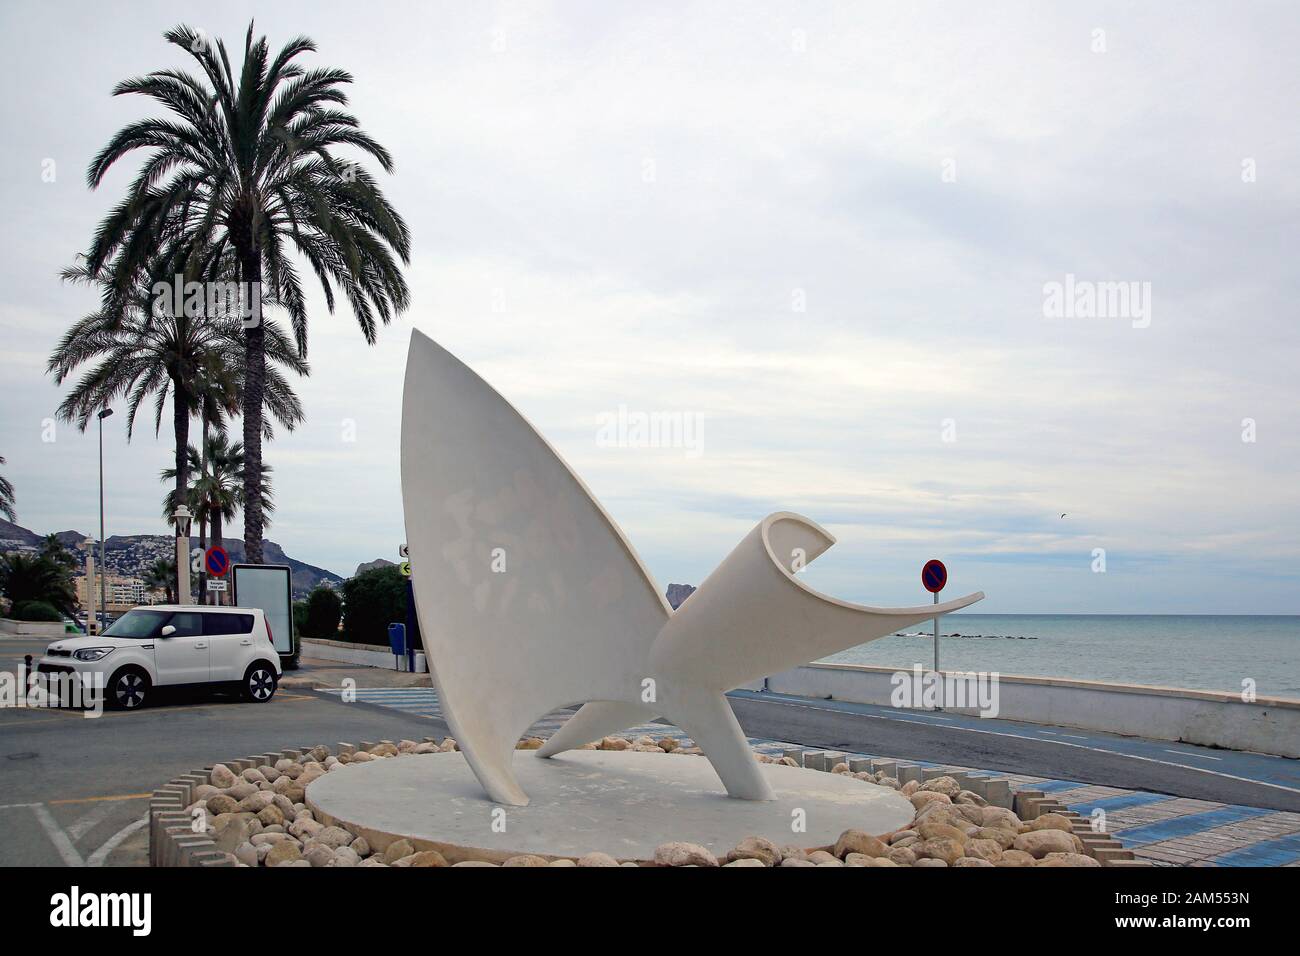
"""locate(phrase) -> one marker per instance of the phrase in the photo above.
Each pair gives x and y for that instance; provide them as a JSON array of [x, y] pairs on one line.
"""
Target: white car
[[172, 646]]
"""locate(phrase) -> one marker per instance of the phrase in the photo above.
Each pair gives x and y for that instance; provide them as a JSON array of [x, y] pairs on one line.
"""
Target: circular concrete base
[[618, 802]]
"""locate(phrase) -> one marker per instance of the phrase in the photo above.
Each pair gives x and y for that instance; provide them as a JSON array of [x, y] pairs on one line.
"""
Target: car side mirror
[[168, 631]]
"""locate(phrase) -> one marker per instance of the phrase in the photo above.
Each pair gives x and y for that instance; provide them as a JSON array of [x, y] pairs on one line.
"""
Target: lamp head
[[182, 517]]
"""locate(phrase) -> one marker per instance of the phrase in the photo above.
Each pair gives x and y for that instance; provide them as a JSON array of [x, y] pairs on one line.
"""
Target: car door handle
[[202, 645], [245, 643]]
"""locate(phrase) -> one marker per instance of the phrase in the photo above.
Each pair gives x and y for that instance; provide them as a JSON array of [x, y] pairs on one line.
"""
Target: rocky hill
[[131, 555], [677, 593]]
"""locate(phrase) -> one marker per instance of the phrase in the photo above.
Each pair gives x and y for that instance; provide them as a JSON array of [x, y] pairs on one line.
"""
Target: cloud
[[740, 213]]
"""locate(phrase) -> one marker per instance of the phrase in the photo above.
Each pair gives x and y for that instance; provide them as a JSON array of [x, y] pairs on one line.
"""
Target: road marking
[[1059, 743], [99, 856], [1184, 753], [118, 796], [89, 821], [51, 711], [60, 839], [18, 806]]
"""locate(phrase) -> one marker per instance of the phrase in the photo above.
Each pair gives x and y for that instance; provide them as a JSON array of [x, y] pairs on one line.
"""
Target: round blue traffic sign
[[217, 560], [934, 575]]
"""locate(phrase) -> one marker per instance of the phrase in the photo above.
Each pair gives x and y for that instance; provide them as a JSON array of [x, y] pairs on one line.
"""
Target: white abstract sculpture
[[530, 597]]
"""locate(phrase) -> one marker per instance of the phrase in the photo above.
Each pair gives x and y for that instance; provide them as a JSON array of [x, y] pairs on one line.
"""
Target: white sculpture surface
[[530, 597]]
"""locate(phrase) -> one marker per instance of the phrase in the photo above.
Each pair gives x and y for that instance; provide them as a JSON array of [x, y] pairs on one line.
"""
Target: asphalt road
[[71, 787], [1059, 753], [74, 791]]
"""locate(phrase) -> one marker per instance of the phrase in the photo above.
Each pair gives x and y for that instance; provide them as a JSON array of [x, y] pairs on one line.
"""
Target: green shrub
[[35, 611], [27, 577], [324, 607], [371, 601]]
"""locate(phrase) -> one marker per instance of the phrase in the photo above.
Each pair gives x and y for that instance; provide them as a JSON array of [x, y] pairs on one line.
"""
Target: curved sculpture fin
[[529, 596]]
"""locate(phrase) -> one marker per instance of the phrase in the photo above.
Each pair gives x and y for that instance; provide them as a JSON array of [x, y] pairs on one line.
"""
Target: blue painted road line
[[1185, 825], [1055, 786], [1277, 852], [1122, 802]]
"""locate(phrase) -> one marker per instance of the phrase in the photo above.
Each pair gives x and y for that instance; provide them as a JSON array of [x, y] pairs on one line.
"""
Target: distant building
[[122, 593]]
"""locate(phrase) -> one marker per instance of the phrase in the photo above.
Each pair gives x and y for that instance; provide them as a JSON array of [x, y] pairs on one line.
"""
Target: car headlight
[[92, 653]]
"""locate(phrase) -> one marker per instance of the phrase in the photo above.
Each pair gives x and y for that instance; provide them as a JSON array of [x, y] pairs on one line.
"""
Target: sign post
[[934, 576]]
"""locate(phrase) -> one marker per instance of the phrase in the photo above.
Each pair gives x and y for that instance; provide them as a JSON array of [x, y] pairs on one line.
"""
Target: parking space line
[[99, 856], [60, 839], [89, 820]]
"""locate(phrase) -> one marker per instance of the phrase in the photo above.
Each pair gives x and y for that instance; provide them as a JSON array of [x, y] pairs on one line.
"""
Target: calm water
[[1209, 652]]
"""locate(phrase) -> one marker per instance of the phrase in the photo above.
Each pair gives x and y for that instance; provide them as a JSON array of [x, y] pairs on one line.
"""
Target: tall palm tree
[[245, 170], [7, 496], [141, 352]]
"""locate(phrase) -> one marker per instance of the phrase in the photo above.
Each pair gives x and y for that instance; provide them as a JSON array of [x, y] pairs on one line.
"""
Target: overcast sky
[[821, 231]]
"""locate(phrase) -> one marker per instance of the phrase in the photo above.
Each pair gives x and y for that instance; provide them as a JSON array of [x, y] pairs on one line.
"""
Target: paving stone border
[[174, 839]]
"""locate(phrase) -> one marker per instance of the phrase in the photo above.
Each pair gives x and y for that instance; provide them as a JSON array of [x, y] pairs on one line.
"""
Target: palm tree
[[145, 353], [7, 496], [52, 549], [244, 172], [161, 576], [218, 493]]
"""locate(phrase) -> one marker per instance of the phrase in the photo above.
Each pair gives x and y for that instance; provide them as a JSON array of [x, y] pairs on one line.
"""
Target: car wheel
[[127, 689], [259, 683]]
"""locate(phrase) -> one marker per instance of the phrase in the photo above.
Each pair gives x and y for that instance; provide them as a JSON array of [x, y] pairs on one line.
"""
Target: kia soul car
[[172, 646]]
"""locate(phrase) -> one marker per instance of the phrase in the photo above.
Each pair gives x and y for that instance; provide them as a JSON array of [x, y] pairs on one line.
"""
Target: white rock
[[683, 854]]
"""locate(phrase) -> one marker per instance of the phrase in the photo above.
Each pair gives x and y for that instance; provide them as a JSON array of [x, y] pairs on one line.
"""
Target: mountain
[[372, 565], [15, 538], [677, 593], [132, 555]]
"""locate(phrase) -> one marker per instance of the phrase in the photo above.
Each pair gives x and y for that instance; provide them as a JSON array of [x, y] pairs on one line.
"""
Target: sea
[[1205, 652]]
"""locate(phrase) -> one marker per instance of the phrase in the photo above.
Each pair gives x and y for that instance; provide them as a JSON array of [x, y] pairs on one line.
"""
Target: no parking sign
[[934, 576], [216, 560]]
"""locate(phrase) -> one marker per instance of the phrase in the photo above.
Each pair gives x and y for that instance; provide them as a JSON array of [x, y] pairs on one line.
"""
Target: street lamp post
[[103, 566], [182, 516]]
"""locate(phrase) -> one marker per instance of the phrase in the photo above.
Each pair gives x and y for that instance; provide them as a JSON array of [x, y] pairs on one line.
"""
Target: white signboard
[[215, 585], [269, 587]]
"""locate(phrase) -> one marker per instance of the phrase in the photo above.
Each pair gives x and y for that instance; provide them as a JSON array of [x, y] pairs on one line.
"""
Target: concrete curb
[[1101, 846]]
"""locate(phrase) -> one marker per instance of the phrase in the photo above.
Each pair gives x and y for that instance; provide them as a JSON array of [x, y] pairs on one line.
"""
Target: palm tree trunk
[[181, 425], [254, 387], [203, 521]]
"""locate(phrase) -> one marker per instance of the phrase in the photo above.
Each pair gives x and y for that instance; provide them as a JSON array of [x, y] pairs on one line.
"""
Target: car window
[[187, 624], [215, 624], [138, 624]]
